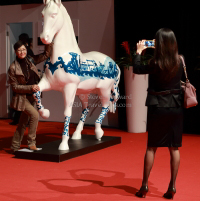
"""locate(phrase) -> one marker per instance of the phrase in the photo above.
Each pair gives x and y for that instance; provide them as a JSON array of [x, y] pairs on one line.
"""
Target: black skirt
[[164, 126]]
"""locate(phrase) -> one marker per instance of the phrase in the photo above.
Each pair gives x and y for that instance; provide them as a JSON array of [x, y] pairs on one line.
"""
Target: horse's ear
[[58, 2], [46, 1]]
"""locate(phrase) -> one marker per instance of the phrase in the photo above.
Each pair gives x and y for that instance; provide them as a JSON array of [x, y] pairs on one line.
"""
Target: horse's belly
[[87, 86]]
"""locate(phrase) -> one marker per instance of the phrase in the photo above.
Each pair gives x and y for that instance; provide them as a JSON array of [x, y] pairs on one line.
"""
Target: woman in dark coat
[[164, 101], [23, 78]]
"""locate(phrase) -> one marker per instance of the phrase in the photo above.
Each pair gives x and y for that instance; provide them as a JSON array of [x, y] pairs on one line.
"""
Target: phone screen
[[149, 43]]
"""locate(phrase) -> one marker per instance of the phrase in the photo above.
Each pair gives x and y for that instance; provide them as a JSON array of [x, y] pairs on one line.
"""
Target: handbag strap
[[184, 67]]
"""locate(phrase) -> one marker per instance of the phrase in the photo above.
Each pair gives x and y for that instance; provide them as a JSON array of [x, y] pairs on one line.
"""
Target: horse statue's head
[[53, 20]]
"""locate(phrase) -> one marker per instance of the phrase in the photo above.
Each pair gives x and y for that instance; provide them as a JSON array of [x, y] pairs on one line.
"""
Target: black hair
[[24, 38], [18, 44]]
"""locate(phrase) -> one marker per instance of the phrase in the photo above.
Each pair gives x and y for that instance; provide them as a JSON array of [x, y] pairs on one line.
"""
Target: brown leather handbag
[[190, 97]]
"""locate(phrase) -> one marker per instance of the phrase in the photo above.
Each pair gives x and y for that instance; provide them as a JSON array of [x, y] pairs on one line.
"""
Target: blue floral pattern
[[102, 115], [36, 96], [85, 70], [66, 126], [84, 114]]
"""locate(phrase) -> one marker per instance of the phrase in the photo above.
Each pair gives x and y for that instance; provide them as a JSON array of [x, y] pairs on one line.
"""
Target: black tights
[[149, 160]]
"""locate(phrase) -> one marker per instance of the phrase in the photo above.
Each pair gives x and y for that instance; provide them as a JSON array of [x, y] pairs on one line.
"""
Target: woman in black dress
[[164, 101]]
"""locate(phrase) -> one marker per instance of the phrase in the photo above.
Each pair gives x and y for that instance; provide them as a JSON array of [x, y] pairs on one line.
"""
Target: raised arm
[[138, 68], [43, 56]]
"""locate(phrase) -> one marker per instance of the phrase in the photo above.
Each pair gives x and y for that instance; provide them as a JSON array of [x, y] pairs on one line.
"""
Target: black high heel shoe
[[142, 192], [170, 193]]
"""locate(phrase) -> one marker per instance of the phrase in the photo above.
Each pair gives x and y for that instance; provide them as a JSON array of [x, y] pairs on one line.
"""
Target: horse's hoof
[[44, 113], [76, 136], [63, 146], [99, 133]]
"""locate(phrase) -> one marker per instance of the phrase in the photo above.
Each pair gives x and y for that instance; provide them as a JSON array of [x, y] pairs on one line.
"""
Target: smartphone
[[149, 43]]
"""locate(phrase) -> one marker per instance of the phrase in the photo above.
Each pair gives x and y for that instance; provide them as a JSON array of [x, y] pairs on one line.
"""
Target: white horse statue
[[73, 73]]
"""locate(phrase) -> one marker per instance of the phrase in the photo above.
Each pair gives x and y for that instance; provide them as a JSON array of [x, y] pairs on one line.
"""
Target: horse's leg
[[84, 100], [44, 86], [104, 94], [69, 93]]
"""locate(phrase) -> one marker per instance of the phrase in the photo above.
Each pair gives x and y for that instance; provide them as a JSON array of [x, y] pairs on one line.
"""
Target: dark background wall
[[137, 20]]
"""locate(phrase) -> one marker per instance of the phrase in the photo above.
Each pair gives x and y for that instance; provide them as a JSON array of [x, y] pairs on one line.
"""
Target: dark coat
[[157, 84], [17, 78]]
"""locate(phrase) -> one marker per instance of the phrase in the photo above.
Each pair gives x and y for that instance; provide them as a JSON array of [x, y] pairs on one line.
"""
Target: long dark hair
[[166, 53]]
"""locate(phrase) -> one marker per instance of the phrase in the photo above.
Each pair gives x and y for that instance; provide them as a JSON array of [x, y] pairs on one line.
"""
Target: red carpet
[[114, 173]]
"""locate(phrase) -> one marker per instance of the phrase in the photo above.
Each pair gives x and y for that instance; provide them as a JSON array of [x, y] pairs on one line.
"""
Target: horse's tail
[[115, 92]]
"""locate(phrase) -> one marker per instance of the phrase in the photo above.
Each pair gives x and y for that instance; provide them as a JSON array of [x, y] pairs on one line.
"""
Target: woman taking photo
[[164, 101], [23, 78]]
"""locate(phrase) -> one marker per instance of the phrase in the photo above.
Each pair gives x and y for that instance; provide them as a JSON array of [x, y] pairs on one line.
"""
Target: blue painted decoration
[[84, 114], [38, 100], [66, 126], [102, 115], [85, 70]]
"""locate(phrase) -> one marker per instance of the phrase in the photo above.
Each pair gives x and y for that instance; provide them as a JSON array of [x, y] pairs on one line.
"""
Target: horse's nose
[[44, 38]]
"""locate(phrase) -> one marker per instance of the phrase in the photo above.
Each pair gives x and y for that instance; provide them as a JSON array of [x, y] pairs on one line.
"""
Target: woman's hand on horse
[[35, 88]]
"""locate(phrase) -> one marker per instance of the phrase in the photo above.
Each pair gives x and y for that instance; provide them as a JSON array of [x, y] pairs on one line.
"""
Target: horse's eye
[[53, 15]]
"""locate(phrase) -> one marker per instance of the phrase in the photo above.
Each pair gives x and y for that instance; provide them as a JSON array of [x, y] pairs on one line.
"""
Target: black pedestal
[[50, 151]]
